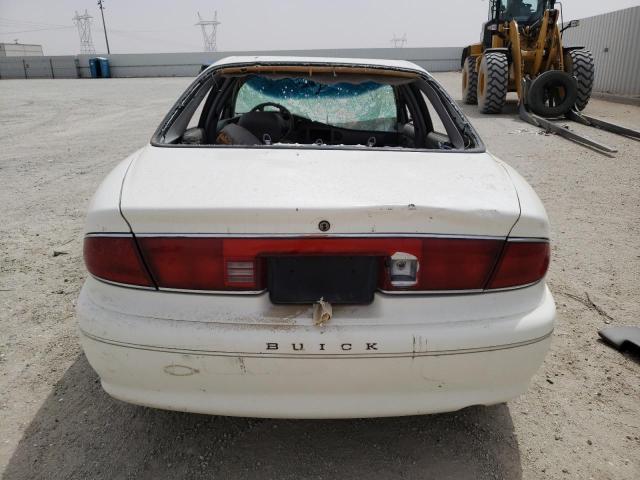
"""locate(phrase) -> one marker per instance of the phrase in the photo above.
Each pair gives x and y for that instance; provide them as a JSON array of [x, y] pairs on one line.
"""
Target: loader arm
[[548, 47], [516, 56]]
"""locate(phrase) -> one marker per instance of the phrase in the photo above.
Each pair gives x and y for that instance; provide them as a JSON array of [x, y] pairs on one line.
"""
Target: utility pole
[[209, 38], [104, 25], [83, 22]]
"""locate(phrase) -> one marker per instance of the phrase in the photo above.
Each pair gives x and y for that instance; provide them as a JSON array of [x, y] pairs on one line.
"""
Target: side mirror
[[571, 24], [193, 136]]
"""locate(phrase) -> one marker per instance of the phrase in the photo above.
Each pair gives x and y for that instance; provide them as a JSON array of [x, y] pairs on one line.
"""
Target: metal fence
[[614, 39], [188, 64], [39, 67]]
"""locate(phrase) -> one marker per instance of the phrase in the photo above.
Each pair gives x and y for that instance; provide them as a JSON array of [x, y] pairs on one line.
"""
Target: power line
[[83, 23], [35, 30], [24, 23], [156, 30], [156, 39]]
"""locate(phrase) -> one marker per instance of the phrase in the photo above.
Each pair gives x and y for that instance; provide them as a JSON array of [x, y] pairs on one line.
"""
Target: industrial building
[[613, 38], [20, 50]]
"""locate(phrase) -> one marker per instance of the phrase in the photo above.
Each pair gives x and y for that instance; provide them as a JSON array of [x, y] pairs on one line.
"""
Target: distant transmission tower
[[83, 22], [209, 34], [399, 42]]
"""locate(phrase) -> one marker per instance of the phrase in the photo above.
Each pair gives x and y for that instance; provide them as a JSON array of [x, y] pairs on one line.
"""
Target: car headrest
[[233, 134]]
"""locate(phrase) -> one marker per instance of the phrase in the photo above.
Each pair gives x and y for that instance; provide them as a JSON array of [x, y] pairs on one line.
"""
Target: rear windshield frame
[[447, 106]]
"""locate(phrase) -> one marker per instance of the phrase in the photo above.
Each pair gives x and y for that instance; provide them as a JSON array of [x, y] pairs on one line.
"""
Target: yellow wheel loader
[[521, 51]]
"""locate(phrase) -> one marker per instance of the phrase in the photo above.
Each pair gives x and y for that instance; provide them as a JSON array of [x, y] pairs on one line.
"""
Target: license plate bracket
[[339, 279]]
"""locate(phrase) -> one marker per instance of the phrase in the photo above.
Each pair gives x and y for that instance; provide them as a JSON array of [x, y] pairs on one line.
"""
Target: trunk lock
[[324, 226]]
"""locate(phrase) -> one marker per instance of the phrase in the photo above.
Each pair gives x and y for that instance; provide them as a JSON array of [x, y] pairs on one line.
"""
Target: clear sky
[[136, 26]]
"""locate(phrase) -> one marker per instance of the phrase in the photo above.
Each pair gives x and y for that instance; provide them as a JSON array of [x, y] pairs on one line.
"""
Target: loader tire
[[579, 63], [552, 94], [493, 80], [469, 81]]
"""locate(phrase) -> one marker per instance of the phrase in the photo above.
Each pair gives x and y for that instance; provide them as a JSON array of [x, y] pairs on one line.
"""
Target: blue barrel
[[94, 67], [104, 67]]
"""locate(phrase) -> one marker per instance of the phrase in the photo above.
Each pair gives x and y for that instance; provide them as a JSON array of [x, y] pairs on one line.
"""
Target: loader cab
[[525, 12]]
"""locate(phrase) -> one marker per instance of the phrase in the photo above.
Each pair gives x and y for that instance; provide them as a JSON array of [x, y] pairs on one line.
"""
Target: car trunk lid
[[289, 191]]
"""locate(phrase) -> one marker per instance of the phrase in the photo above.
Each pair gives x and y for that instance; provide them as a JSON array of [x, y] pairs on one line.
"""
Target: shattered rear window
[[362, 106]]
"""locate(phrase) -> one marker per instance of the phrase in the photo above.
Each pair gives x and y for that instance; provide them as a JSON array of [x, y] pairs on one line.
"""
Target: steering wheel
[[283, 112], [281, 108]]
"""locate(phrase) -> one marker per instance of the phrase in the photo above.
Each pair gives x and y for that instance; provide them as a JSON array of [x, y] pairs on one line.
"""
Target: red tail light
[[115, 259], [457, 264], [185, 263], [188, 263], [522, 263], [406, 264]]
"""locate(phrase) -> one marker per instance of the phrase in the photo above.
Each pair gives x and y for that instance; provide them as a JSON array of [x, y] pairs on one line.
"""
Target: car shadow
[[81, 432]]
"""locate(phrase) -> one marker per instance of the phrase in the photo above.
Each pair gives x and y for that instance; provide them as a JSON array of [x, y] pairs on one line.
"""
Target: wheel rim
[[481, 83]]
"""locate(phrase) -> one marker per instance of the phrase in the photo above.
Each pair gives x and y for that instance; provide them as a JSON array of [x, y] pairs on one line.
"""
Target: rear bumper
[[297, 370]]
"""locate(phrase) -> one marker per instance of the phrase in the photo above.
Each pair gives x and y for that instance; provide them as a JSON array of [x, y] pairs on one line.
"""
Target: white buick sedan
[[315, 238]]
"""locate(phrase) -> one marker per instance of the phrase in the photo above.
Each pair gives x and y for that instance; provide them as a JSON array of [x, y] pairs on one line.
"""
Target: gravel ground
[[580, 418]]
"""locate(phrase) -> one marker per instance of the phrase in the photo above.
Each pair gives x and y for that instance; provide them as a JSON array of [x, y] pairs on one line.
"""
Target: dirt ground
[[579, 420]]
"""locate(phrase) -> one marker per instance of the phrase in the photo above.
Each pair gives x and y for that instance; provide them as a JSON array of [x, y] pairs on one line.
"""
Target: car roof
[[377, 63]]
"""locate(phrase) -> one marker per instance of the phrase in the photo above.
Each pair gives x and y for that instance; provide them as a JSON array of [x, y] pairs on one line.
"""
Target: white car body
[[237, 353]]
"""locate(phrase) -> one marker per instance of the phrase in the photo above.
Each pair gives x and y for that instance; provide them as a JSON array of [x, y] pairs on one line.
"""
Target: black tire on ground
[[469, 81], [552, 94], [493, 80], [580, 64]]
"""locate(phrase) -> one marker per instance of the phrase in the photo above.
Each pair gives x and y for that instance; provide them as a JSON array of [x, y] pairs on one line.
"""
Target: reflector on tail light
[[115, 259], [240, 273]]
